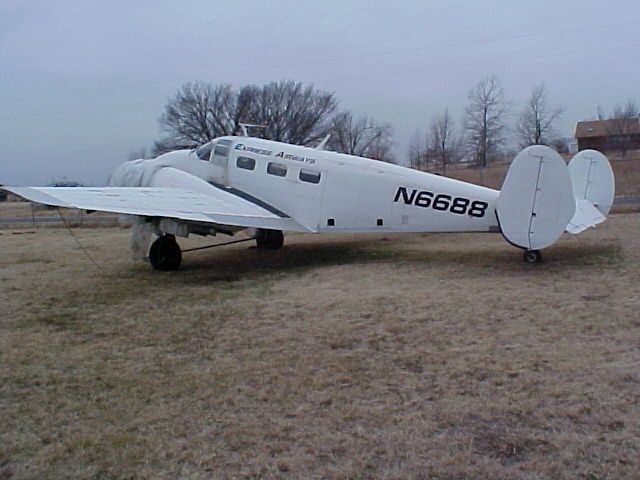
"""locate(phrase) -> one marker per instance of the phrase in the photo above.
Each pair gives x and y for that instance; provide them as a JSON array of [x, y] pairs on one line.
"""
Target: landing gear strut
[[532, 256], [269, 239], [165, 254]]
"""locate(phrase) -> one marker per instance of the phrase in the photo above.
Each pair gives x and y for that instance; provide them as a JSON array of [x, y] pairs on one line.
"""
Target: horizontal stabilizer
[[586, 216]]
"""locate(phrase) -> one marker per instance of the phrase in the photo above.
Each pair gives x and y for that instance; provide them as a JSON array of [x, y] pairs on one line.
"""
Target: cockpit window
[[204, 152], [222, 148], [221, 152]]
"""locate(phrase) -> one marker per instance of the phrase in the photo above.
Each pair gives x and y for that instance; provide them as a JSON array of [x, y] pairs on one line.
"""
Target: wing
[[220, 206]]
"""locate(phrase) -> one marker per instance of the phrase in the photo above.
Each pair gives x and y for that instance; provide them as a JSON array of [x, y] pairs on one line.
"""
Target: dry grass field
[[412, 356]]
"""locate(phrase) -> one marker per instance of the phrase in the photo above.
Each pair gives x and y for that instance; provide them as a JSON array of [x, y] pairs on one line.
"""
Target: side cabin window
[[246, 163], [310, 176], [277, 169], [204, 152]]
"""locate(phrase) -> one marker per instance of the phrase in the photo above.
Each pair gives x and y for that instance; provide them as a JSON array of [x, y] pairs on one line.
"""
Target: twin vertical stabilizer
[[542, 197]]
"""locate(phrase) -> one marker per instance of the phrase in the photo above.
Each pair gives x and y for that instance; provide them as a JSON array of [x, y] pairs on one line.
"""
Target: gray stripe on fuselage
[[250, 198]]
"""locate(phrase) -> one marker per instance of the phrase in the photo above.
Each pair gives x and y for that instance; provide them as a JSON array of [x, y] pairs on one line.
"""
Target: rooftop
[[605, 128]]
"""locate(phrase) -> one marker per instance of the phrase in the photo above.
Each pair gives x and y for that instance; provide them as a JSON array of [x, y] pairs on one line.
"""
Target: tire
[[532, 256], [165, 254], [269, 239]]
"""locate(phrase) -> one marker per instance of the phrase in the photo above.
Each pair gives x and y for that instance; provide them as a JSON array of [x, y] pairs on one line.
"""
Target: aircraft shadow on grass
[[239, 264]]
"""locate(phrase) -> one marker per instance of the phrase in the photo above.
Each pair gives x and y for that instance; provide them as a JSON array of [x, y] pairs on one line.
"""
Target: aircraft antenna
[[244, 128], [323, 143], [86, 252]]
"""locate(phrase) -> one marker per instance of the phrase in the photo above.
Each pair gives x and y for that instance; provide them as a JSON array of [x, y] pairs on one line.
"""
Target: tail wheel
[[165, 254], [532, 256], [269, 239]]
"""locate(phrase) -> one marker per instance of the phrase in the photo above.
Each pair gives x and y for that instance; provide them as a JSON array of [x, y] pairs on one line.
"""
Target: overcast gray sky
[[82, 83]]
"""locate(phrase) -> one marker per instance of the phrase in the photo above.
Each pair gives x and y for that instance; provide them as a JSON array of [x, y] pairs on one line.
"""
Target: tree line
[[291, 112], [483, 133]]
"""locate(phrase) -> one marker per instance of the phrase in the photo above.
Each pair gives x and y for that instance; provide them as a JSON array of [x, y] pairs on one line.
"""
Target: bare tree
[[561, 145], [629, 110], [484, 119], [417, 150], [442, 143], [624, 122], [289, 112], [362, 137], [196, 114], [381, 149], [535, 125]]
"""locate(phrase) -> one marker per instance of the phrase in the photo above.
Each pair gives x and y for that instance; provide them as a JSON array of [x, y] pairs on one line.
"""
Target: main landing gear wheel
[[532, 256], [269, 239], [165, 254]]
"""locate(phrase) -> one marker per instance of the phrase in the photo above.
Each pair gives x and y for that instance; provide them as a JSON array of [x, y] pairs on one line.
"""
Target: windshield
[[204, 152]]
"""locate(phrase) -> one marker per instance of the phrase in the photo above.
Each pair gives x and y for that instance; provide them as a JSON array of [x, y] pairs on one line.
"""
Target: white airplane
[[237, 183]]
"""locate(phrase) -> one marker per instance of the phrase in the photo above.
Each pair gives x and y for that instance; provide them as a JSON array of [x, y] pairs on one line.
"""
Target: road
[[627, 200]]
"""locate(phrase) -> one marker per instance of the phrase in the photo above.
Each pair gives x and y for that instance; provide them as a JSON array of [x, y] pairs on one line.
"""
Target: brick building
[[612, 135]]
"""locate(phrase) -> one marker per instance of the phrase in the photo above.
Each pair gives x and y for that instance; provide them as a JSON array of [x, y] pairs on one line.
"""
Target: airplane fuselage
[[333, 192]]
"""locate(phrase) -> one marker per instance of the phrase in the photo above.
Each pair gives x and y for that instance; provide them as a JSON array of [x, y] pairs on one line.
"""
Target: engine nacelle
[[138, 173]]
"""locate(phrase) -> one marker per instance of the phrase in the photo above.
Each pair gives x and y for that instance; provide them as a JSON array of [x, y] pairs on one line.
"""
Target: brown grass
[[412, 356]]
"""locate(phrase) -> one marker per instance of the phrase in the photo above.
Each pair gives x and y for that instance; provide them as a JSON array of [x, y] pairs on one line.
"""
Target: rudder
[[536, 202], [592, 179]]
